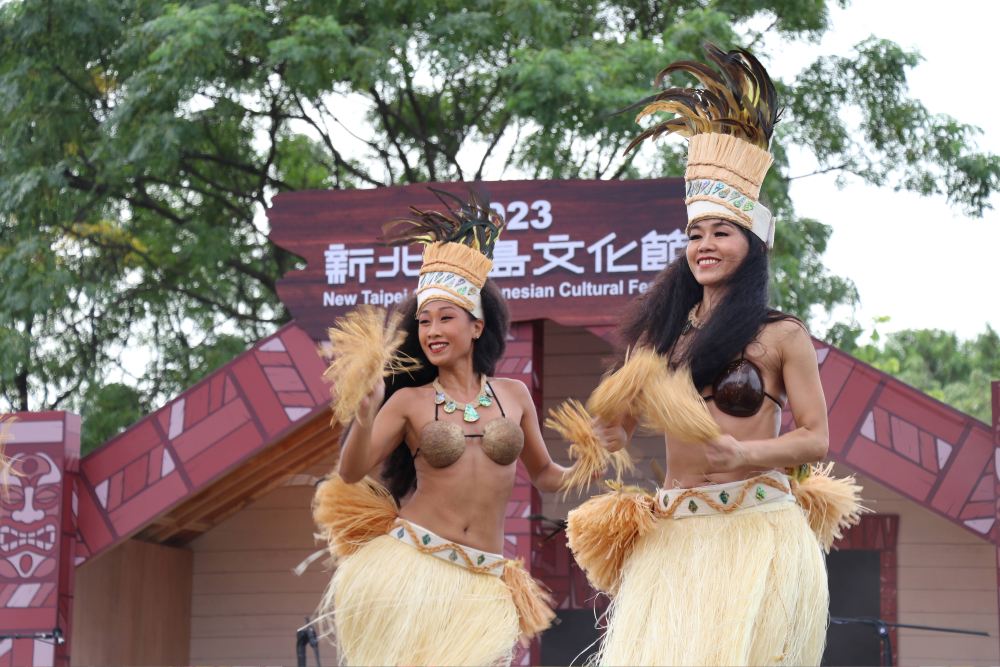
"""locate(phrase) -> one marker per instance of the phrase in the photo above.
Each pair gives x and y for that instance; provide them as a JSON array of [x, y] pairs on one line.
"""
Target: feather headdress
[[473, 223], [460, 243], [730, 123]]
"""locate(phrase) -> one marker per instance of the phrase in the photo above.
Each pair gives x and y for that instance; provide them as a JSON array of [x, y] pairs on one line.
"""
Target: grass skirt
[[747, 588], [394, 605]]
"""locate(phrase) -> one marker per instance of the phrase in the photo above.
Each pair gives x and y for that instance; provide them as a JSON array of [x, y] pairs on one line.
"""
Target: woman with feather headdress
[[723, 565], [425, 583]]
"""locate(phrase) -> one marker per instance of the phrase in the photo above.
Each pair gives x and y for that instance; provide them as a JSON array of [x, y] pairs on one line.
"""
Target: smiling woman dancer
[[721, 566], [426, 584]]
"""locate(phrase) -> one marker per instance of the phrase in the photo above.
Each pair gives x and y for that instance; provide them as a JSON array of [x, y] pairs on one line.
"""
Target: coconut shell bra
[[738, 390], [443, 443]]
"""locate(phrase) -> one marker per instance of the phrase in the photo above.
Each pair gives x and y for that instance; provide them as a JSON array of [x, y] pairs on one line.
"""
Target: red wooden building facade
[[262, 420]]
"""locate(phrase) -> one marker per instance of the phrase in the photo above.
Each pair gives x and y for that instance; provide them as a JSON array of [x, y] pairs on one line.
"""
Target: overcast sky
[[915, 259]]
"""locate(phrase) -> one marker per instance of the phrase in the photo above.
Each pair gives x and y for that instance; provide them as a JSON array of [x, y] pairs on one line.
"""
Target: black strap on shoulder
[[497, 399]]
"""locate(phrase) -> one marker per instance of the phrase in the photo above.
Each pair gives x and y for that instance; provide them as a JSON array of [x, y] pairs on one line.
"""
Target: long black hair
[[398, 472], [657, 317]]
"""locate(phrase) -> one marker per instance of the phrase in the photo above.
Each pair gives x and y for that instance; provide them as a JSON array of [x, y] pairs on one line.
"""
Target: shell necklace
[[692, 321], [450, 404]]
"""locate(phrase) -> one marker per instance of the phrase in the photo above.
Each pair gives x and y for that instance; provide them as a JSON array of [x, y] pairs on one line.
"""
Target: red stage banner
[[573, 251]]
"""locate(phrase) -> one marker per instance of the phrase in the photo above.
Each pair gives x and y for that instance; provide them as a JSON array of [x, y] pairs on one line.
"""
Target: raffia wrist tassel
[[351, 515], [618, 391], [672, 405], [603, 531], [831, 504], [364, 348], [534, 604], [572, 421]]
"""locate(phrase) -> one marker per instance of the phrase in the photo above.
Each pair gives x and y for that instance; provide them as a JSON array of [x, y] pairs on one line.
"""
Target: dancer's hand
[[370, 404], [597, 476], [724, 454], [611, 434]]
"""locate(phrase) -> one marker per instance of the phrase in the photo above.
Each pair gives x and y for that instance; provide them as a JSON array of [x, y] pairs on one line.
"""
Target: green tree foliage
[[956, 372], [141, 140]]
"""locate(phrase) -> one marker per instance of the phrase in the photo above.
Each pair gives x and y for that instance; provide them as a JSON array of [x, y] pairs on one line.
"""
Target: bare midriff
[[466, 501], [685, 467]]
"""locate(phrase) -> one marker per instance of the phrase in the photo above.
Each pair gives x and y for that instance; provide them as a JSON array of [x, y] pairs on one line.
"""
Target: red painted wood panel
[[230, 417], [283, 378], [162, 417], [115, 490], [833, 374], [928, 452], [888, 467], [231, 392], [977, 510], [851, 404], [930, 415], [272, 358], [302, 349], [135, 477], [963, 474], [196, 405], [218, 383], [155, 464], [258, 391], [133, 514], [904, 438], [93, 530], [136, 441], [296, 398], [223, 454], [983, 490], [210, 445], [883, 434]]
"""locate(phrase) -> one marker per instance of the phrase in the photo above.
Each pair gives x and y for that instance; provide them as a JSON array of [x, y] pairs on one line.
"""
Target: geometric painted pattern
[[929, 452], [194, 439]]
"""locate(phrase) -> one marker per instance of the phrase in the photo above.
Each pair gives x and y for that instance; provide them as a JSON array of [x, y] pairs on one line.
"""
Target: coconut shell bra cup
[[738, 390], [442, 443]]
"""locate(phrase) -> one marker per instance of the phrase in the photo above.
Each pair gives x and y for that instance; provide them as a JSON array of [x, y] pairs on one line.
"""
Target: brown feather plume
[[473, 223], [738, 100]]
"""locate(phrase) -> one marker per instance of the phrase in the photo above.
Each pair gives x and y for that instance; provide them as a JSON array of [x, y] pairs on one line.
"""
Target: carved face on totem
[[30, 518]]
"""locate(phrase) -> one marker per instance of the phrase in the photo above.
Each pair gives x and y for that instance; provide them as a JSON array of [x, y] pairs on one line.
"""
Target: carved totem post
[[38, 538]]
